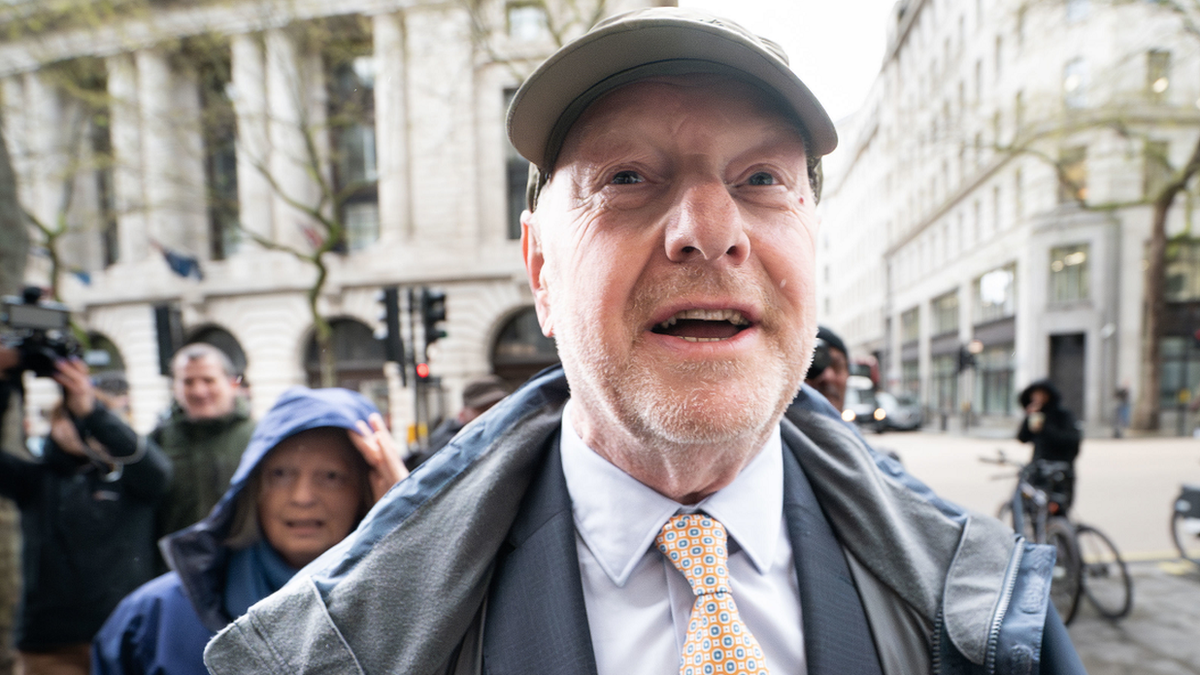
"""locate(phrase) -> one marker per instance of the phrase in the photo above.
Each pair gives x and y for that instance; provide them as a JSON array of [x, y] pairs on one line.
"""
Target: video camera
[[40, 331]]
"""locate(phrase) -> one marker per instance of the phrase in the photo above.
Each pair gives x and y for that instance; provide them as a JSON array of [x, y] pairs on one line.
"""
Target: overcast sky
[[835, 46]]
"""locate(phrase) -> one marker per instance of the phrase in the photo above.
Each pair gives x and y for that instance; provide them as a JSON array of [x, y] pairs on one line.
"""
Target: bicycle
[[1185, 523], [1087, 562]]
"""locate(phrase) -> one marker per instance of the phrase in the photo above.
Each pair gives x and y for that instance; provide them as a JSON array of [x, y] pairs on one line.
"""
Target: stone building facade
[[996, 182], [223, 131]]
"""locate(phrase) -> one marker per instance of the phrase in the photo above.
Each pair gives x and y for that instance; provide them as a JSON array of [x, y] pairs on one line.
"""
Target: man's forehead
[[673, 95]]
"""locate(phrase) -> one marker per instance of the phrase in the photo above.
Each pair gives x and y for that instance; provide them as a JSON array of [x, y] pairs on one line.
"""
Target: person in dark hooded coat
[[87, 518], [312, 470], [1055, 437]]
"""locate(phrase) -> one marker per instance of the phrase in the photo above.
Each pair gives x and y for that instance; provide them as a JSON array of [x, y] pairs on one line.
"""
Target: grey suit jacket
[[537, 623]]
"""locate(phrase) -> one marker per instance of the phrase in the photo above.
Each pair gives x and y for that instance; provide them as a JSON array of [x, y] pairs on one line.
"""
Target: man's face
[[309, 495], [831, 382], [671, 254], [203, 389]]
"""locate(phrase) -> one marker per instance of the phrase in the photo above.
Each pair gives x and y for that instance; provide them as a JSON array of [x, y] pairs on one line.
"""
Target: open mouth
[[703, 325], [305, 524]]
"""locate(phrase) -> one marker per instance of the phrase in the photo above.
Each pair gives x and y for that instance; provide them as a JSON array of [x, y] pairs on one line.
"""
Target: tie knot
[[696, 545]]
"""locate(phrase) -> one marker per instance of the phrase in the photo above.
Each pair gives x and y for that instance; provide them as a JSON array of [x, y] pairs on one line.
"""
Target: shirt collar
[[618, 517]]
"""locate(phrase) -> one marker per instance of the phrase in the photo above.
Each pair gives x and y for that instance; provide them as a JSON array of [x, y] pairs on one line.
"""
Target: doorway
[[1067, 356]]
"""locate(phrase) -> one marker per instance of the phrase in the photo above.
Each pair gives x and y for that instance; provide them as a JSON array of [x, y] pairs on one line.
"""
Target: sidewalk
[[1162, 634]]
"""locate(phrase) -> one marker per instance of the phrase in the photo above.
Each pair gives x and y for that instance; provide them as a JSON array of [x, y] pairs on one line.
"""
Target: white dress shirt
[[638, 604]]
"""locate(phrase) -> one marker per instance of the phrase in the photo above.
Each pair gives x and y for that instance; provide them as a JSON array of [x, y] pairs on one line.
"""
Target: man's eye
[[762, 178], [627, 178]]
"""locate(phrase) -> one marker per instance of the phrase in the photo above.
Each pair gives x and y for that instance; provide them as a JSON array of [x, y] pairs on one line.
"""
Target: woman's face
[[309, 495]]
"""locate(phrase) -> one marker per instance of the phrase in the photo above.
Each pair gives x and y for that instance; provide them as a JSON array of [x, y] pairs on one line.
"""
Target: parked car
[[903, 412], [861, 406]]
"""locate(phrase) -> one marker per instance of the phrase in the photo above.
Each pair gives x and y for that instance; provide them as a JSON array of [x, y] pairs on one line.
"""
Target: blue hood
[[198, 553]]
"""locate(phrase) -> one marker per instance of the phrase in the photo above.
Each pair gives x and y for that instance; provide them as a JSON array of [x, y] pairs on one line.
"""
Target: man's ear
[[535, 268]]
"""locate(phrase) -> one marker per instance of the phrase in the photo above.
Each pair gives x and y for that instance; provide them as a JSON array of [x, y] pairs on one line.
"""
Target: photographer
[[87, 517]]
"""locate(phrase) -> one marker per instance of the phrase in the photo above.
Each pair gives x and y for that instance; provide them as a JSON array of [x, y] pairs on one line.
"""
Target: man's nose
[[707, 225]]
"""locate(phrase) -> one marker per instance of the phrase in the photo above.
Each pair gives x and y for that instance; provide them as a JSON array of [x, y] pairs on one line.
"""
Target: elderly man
[[208, 428], [655, 516]]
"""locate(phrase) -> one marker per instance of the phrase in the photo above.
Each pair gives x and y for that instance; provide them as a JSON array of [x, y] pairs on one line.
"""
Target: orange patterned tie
[[717, 640]]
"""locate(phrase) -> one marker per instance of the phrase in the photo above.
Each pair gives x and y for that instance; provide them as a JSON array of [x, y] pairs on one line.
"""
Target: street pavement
[[1161, 636], [1125, 487]]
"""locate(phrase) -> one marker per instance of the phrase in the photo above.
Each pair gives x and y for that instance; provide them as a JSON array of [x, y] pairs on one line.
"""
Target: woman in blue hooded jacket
[[315, 465]]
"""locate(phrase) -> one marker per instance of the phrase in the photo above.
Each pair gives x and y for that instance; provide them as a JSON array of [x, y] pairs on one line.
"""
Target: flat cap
[[644, 43]]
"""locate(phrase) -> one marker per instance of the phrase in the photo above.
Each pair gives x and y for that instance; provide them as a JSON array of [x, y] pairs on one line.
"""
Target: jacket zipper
[[1010, 582]]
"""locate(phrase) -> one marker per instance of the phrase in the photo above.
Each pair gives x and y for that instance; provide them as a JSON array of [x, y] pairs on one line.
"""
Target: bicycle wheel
[[1186, 533], [1004, 515], [1105, 578], [1065, 586]]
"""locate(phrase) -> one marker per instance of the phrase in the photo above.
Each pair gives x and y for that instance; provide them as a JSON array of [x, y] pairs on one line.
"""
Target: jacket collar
[[437, 566]]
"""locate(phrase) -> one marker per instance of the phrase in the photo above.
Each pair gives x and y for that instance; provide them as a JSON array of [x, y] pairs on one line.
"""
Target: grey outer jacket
[[944, 590]]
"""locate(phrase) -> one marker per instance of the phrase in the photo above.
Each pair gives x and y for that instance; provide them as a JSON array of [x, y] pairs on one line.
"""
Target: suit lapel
[[836, 636], [536, 617]]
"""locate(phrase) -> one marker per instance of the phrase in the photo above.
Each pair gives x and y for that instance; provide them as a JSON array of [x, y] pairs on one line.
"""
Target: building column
[[125, 127], [47, 152], [293, 121], [172, 155], [391, 128], [255, 196]]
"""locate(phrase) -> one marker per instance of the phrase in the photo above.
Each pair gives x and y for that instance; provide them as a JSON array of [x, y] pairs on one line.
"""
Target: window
[[527, 22], [1018, 113], [945, 313], [945, 382], [1073, 178], [1158, 74], [993, 383], [1069, 273], [517, 176], [910, 378], [1075, 83], [997, 223], [978, 81], [351, 70], [1018, 195], [1021, 12], [94, 86], [1182, 270], [996, 294], [1180, 370], [220, 154], [999, 56], [977, 229], [1156, 168], [910, 325]]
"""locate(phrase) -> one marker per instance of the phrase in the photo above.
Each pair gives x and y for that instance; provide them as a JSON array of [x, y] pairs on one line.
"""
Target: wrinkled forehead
[[735, 101]]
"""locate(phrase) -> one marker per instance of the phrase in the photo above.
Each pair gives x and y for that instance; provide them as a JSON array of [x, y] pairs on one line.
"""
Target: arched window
[[102, 356], [358, 361], [521, 350]]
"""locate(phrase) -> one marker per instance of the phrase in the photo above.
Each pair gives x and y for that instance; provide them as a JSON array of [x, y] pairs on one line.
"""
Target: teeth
[[731, 315], [699, 339]]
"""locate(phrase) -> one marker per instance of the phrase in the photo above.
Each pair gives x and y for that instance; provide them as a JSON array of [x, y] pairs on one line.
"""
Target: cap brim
[[565, 84]]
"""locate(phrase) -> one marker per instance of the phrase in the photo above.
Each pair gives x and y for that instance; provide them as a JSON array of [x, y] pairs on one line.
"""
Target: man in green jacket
[[205, 435]]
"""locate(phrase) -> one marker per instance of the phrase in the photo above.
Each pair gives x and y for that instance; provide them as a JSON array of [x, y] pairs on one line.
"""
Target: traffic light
[[965, 359], [422, 372], [393, 343], [433, 312]]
